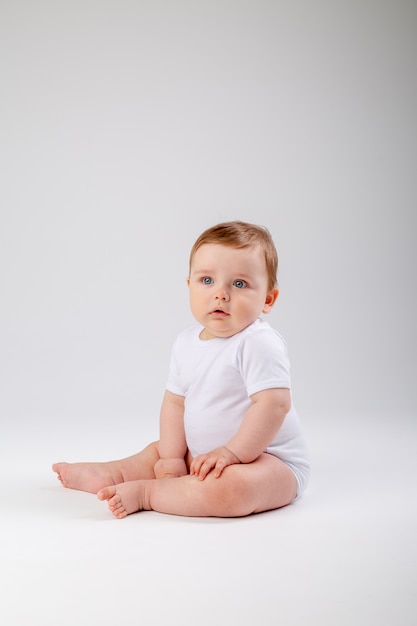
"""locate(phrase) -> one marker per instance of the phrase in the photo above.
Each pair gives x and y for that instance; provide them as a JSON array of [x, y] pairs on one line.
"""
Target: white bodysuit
[[217, 378]]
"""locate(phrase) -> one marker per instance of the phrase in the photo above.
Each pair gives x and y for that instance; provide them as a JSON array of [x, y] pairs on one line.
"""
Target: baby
[[230, 440]]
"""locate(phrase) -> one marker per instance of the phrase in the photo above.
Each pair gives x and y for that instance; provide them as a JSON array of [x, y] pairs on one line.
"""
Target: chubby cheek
[[198, 295], [196, 303]]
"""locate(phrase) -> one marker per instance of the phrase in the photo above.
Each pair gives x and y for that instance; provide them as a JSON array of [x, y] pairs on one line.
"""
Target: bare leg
[[265, 484], [93, 476]]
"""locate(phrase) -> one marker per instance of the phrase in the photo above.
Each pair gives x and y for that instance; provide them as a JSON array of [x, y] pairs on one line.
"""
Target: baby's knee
[[227, 496]]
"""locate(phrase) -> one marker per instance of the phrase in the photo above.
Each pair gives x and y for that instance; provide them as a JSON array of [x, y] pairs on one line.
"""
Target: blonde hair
[[242, 235]]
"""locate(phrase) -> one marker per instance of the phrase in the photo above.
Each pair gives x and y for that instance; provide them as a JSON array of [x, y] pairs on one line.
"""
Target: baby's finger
[[196, 464], [205, 468], [219, 467]]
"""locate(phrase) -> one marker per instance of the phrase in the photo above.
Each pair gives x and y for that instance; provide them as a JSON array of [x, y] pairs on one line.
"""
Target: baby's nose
[[222, 294]]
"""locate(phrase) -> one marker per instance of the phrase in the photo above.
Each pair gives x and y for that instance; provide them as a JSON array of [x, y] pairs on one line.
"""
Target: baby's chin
[[209, 332]]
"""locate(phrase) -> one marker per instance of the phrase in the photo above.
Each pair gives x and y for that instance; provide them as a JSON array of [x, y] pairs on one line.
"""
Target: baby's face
[[228, 288]]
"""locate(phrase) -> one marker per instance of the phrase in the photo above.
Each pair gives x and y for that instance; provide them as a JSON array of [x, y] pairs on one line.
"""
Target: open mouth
[[219, 313]]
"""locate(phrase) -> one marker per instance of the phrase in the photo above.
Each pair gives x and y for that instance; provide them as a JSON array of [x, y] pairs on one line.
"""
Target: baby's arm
[[261, 423], [172, 445]]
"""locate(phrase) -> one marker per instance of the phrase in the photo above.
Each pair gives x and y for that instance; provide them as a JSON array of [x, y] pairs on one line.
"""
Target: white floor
[[346, 554]]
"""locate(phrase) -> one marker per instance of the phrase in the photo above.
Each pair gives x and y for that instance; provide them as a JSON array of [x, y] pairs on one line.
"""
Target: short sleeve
[[263, 361], [173, 382]]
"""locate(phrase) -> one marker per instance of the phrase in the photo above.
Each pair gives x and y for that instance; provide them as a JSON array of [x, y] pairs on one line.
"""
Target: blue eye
[[240, 284], [206, 280]]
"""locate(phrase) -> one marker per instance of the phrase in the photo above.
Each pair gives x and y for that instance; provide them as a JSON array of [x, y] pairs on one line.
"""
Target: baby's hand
[[170, 468], [215, 460]]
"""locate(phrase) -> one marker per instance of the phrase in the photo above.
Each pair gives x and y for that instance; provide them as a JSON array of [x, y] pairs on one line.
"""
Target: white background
[[126, 129]]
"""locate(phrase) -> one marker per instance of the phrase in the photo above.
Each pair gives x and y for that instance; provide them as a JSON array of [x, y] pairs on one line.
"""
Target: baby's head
[[242, 235]]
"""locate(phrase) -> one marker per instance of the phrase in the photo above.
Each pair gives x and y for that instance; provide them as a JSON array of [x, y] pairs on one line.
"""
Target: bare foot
[[126, 498], [88, 477]]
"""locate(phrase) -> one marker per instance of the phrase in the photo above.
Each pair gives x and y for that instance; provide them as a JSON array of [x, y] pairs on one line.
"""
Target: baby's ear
[[271, 298]]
